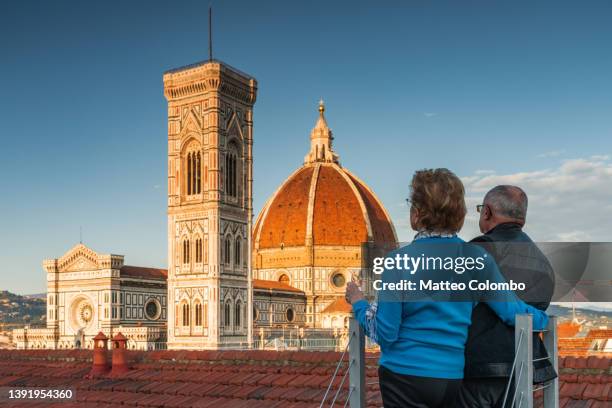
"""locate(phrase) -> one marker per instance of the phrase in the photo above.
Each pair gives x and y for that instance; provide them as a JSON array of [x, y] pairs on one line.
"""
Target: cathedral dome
[[322, 204]]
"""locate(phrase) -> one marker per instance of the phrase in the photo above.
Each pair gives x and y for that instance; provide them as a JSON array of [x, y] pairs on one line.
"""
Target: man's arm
[[506, 304]]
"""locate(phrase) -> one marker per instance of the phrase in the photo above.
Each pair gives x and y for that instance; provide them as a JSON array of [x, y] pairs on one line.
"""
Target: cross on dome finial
[[321, 141]]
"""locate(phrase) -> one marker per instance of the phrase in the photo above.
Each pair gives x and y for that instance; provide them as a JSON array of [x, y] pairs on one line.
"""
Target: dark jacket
[[489, 350]]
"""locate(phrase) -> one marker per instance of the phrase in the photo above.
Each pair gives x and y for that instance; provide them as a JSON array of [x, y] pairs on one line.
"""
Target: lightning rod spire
[[210, 49]]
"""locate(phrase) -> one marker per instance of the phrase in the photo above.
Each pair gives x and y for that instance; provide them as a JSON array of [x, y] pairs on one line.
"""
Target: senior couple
[[437, 354]]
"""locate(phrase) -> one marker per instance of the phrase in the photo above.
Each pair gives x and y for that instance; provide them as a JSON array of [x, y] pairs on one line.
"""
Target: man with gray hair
[[502, 204], [489, 350]]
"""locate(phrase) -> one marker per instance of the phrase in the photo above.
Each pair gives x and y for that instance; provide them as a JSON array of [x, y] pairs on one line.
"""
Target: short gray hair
[[509, 201]]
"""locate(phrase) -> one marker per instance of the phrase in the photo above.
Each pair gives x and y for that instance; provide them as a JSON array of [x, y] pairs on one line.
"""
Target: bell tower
[[210, 177]]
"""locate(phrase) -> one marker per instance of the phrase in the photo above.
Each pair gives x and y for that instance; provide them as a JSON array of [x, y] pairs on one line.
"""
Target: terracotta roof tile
[[567, 329], [310, 394], [600, 334], [143, 272], [180, 402], [271, 379], [596, 391], [598, 362], [382, 228], [274, 285], [337, 218], [578, 404], [576, 346], [243, 378], [260, 392], [337, 201], [572, 390], [339, 305], [285, 221]]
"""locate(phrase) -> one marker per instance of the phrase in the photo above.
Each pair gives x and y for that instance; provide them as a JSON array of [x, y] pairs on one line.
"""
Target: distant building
[[312, 232], [88, 292], [210, 205], [226, 279]]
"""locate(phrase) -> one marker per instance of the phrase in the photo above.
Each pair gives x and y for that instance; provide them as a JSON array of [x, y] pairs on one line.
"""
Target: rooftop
[[208, 61], [234, 379], [339, 305], [144, 272], [274, 285]]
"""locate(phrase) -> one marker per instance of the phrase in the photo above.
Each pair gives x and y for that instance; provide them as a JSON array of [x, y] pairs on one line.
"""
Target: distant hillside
[[581, 314], [36, 296], [17, 310]]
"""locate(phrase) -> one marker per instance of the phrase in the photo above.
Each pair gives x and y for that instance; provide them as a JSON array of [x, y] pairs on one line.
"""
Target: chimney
[[120, 366], [100, 362]]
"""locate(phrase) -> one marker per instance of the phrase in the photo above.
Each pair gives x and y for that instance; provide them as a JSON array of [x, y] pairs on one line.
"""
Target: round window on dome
[[152, 309], [284, 279], [290, 315], [338, 280]]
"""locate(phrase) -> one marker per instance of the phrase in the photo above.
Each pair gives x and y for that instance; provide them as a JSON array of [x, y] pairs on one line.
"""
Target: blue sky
[[493, 90]]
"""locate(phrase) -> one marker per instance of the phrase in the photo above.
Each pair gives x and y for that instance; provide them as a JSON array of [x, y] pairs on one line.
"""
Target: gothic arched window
[[198, 173], [198, 313], [185, 317], [194, 173], [238, 314], [189, 174], [186, 251], [227, 314], [237, 251], [227, 251], [198, 250], [231, 171]]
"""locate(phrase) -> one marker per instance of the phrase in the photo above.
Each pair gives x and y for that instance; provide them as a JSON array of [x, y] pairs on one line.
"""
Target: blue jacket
[[427, 338]]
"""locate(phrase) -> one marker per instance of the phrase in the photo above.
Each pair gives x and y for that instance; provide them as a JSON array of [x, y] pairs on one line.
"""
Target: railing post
[[356, 365], [523, 373], [551, 392]]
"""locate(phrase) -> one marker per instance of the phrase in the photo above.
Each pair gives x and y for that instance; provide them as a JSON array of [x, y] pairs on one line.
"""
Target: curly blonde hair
[[439, 197]]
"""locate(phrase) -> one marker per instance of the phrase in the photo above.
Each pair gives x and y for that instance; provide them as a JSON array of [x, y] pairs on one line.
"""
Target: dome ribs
[[382, 227], [337, 219], [326, 203], [285, 221]]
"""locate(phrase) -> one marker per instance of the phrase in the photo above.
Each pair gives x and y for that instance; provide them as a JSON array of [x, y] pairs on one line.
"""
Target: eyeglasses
[[479, 208]]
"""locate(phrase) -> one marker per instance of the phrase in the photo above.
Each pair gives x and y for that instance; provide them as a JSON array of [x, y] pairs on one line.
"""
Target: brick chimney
[[100, 361], [120, 366]]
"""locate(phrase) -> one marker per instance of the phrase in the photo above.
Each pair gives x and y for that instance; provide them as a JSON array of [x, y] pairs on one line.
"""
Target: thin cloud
[[597, 306], [430, 114], [552, 153], [484, 172], [574, 236], [570, 202]]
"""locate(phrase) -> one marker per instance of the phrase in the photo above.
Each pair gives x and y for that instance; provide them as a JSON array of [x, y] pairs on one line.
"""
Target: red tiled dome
[[322, 204]]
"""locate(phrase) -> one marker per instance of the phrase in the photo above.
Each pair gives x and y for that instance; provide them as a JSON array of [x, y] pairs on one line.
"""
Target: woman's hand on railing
[[353, 293]]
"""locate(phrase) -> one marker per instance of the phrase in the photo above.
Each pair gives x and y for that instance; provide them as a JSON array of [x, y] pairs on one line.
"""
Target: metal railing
[[279, 344], [520, 389], [354, 371], [521, 376]]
